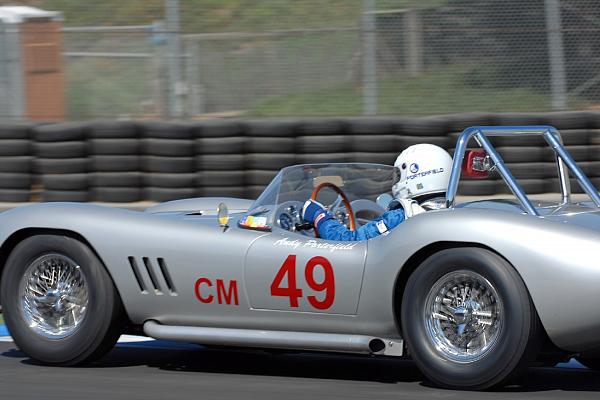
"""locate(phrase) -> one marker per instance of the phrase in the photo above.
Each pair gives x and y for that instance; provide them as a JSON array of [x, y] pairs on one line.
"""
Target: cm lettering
[[205, 291]]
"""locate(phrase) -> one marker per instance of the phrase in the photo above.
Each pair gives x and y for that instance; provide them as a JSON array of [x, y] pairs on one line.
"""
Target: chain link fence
[[329, 57]]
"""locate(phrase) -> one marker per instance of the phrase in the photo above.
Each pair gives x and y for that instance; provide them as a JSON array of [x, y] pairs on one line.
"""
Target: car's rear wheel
[[60, 305], [468, 320]]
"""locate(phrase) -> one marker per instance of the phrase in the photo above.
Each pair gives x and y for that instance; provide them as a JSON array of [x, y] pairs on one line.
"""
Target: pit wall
[[124, 161]]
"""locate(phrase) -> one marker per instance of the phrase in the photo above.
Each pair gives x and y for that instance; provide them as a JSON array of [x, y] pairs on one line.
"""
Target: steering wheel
[[352, 221]]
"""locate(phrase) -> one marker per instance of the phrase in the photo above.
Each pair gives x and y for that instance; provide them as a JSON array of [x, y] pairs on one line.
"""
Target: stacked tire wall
[[120, 161]]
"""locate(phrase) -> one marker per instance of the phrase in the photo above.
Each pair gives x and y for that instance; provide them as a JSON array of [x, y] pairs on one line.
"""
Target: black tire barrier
[[167, 194], [115, 163], [216, 128], [564, 120], [321, 144], [65, 132], [477, 187], [168, 164], [530, 186], [16, 164], [518, 119], [535, 170], [278, 127], [219, 162], [113, 130], [442, 141], [525, 154], [460, 122], [377, 158], [579, 153], [321, 127], [15, 195], [269, 161], [594, 153], [165, 130], [15, 147], [590, 168], [220, 178], [116, 194], [59, 166], [115, 179], [114, 147], [224, 145], [253, 191], [170, 180], [65, 195], [72, 149], [422, 127], [15, 180], [64, 181], [15, 131], [168, 147], [224, 191], [375, 143], [325, 158], [553, 185], [256, 177], [269, 145], [371, 126]]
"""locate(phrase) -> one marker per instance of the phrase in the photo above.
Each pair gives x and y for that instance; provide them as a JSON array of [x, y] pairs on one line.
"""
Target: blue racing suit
[[329, 228]]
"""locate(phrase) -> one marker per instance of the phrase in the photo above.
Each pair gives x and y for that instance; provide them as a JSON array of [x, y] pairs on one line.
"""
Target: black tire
[[165, 130], [15, 195], [20, 164], [116, 179], [216, 129], [530, 186], [579, 153], [113, 130], [15, 180], [114, 147], [15, 147], [223, 145], [375, 143], [167, 164], [102, 324], [444, 142], [563, 120], [220, 162], [65, 181], [262, 178], [517, 343], [167, 194], [116, 195], [272, 161], [270, 145], [324, 158], [272, 127], [553, 185], [59, 132], [322, 144], [168, 147], [536, 170], [15, 131], [60, 166], [423, 127], [65, 195], [114, 163], [521, 154], [370, 126], [594, 153], [460, 122], [223, 191], [221, 178], [73, 149], [387, 158], [477, 187], [186, 180]]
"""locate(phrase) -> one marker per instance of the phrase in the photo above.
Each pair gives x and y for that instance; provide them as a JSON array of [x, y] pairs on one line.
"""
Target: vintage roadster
[[473, 292]]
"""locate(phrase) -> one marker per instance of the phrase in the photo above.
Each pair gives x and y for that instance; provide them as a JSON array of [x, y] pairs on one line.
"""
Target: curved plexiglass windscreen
[[296, 183]]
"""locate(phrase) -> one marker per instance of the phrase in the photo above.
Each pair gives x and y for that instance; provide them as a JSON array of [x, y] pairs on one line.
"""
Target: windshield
[[296, 183]]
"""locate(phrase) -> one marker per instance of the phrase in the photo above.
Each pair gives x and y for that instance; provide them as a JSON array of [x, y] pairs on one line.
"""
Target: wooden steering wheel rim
[[352, 220]]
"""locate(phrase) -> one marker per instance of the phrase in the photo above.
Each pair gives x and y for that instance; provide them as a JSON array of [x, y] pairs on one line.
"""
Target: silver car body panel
[[175, 265]]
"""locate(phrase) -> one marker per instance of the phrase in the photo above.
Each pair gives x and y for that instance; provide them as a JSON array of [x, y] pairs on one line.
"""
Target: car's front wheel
[[59, 303], [468, 320]]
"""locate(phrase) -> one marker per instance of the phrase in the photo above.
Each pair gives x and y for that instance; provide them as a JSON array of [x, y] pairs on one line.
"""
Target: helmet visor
[[396, 175]]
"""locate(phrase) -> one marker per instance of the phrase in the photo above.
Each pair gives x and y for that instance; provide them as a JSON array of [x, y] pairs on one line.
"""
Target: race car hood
[[205, 206]]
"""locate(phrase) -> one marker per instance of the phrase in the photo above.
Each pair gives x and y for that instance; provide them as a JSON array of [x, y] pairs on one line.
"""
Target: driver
[[421, 175]]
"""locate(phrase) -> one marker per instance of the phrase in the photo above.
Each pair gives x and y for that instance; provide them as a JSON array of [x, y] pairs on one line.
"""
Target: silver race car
[[473, 292]]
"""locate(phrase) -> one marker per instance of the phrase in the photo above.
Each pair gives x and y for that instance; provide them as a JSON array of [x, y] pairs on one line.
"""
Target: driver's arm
[[329, 228]]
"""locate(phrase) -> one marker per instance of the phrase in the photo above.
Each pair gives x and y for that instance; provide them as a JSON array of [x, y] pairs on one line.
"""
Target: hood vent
[[152, 276]]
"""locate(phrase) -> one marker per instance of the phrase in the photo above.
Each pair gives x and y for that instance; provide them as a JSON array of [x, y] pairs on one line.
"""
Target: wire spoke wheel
[[463, 316], [54, 296]]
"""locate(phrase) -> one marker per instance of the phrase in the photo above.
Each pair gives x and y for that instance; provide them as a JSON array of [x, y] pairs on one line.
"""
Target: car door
[[286, 271]]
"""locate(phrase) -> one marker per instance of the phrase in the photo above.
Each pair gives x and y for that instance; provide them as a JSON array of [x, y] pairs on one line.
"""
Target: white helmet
[[421, 169]]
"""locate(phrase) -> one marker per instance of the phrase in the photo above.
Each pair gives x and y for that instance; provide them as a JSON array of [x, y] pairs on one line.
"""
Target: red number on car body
[[288, 269]]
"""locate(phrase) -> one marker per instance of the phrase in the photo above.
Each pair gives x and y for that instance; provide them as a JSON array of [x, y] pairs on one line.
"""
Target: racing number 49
[[288, 269]]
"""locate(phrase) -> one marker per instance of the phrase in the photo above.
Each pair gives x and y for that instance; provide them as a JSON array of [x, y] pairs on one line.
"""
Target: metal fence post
[[369, 39], [174, 55], [556, 55]]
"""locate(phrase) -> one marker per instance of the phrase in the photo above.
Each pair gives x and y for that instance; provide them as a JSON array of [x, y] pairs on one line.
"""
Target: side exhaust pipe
[[272, 339]]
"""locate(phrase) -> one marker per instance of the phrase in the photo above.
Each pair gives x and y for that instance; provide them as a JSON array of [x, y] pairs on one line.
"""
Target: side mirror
[[223, 215], [476, 164]]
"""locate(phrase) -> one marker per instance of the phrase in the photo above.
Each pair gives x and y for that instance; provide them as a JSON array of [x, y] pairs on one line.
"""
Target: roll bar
[[554, 140]]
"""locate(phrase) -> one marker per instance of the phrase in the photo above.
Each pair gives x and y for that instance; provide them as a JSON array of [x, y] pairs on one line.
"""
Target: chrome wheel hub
[[463, 316], [54, 296]]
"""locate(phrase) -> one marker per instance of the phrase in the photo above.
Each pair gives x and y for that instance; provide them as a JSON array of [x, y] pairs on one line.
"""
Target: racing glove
[[315, 213]]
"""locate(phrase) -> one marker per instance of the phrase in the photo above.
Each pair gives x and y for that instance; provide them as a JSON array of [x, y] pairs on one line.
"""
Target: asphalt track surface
[[184, 372]]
